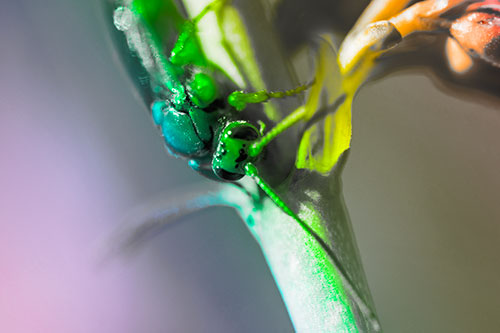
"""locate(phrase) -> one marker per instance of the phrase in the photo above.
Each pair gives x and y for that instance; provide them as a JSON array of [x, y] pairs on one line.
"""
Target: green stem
[[322, 282]]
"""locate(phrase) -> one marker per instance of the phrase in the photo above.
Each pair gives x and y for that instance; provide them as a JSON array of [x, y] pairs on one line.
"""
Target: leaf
[[324, 141]]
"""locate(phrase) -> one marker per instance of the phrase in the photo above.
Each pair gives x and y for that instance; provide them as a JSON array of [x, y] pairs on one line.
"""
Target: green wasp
[[205, 118], [196, 106]]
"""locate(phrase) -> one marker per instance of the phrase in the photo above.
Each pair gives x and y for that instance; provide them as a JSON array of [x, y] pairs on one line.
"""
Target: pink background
[[78, 151]]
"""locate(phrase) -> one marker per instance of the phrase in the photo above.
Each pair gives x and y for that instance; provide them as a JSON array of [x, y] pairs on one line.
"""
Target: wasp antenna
[[293, 118], [240, 99], [302, 113], [251, 170]]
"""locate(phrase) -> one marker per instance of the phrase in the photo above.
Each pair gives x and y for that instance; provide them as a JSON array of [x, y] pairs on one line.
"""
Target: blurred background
[[78, 151]]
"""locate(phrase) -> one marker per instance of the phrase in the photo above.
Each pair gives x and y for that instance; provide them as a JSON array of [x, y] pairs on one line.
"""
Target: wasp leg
[[187, 49]]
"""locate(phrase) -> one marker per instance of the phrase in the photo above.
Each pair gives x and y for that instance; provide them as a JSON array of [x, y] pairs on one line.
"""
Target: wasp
[[197, 108]]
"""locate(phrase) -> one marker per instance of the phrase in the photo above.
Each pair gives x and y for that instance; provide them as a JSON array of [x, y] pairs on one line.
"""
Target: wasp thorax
[[233, 150]]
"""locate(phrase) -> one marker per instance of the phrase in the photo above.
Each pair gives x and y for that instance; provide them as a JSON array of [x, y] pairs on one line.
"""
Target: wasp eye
[[202, 90], [244, 132], [157, 110]]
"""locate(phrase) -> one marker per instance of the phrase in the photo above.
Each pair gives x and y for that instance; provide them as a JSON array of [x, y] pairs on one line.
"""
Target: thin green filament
[[283, 125], [302, 113], [251, 170], [208, 8]]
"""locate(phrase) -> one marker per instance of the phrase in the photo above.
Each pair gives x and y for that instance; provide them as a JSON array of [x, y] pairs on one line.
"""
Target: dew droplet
[[122, 18]]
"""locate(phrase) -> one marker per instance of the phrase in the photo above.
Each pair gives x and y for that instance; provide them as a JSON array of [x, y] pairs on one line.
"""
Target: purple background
[[78, 151]]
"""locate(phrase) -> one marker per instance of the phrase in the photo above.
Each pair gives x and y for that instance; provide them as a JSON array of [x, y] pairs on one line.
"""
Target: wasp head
[[233, 150]]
